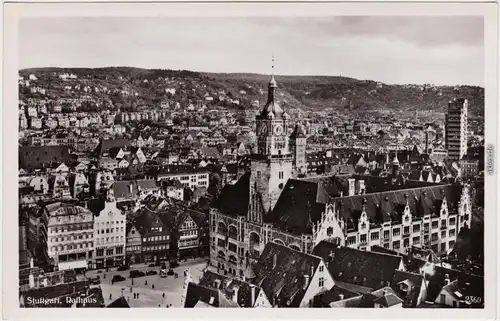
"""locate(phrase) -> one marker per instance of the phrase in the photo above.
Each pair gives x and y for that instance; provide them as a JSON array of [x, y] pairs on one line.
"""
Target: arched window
[[329, 231]]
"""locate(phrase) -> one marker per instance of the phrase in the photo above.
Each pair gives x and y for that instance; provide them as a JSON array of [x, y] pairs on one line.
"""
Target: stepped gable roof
[[300, 204], [364, 268], [234, 199], [283, 283], [38, 157], [390, 204]]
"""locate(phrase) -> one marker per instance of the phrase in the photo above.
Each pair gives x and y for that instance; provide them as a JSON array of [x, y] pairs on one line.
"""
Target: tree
[[215, 185]]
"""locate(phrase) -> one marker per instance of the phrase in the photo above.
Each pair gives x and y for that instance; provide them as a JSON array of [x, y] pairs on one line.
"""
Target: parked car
[[136, 274], [122, 268], [117, 278], [170, 272], [151, 265], [151, 272], [95, 281]]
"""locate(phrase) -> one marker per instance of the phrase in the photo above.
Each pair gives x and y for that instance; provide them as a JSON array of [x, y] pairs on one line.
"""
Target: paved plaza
[[149, 297]]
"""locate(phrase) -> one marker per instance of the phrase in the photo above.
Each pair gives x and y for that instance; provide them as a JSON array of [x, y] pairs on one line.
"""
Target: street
[[149, 297]]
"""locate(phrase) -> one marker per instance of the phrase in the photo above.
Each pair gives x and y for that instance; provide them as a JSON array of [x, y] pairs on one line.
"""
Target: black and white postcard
[[250, 155]]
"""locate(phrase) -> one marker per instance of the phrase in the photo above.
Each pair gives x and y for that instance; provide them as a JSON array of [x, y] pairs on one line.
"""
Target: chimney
[[275, 260], [31, 279], [45, 282], [235, 294], [252, 296], [130, 188], [360, 187], [352, 183], [32, 264], [306, 281], [341, 297], [446, 279]]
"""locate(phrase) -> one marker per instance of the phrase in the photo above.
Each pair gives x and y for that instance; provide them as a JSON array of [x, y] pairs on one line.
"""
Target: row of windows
[[188, 242], [71, 237], [113, 239], [108, 222], [156, 238], [72, 227], [186, 233], [156, 248], [109, 252], [72, 247], [112, 230], [157, 229], [375, 236], [134, 248]]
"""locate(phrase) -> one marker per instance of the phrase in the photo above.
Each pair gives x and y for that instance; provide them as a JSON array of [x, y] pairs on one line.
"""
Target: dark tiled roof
[[298, 132], [415, 281], [334, 294], [37, 157], [233, 199], [122, 190], [368, 269], [283, 283], [210, 296], [229, 285], [106, 144], [121, 302], [381, 207], [299, 205]]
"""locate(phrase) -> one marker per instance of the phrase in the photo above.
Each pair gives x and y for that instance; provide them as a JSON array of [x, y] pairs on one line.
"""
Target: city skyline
[[437, 50]]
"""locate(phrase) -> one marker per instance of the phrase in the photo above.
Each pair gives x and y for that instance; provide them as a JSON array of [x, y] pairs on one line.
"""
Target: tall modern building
[[456, 129]]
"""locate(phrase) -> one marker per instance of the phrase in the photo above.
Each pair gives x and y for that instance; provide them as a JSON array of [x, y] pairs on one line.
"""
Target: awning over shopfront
[[72, 265]]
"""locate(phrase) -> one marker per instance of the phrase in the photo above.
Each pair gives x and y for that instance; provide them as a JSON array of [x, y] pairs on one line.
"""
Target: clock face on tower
[[263, 129], [278, 129]]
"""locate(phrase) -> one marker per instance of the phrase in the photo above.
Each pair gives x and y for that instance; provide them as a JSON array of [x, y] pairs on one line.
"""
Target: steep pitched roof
[[121, 302], [37, 157], [365, 268], [229, 285], [297, 207], [414, 280], [234, 199], [106, 144], [209, 296], [130, 189], [283, 283]]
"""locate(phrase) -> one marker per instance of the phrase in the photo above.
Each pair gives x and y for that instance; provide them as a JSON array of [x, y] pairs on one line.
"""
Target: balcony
[[405, 235]]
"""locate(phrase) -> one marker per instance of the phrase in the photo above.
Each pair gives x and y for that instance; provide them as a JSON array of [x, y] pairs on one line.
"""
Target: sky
[[441, 50]]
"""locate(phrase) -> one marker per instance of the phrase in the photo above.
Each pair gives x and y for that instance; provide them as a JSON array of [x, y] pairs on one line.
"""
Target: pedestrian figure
[[130, 289], [110, 296], [159, 305], [153, 286], [134, 296], [163, 294], [128, 298], [137, 295], [146, 283]]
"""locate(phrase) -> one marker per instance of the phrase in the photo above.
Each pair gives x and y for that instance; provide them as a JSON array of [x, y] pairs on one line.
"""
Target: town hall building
[[270, 203]]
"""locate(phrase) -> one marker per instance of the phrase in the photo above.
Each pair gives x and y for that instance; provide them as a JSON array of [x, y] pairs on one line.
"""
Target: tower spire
[[272, 82]]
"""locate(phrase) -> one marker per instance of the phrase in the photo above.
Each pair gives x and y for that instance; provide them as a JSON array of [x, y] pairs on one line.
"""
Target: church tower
[[298, 148], [271, 165]]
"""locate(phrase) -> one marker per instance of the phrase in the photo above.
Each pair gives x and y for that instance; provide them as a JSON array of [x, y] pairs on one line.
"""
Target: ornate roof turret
[[272, 105], [298, 132]]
